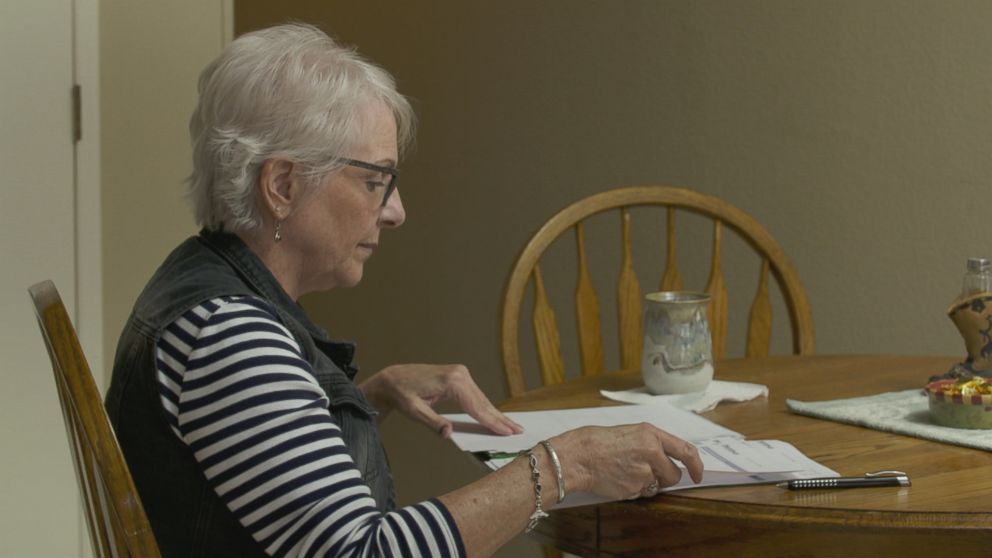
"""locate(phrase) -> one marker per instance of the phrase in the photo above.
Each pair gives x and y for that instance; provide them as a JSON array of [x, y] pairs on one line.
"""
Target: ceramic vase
[[973, 318]]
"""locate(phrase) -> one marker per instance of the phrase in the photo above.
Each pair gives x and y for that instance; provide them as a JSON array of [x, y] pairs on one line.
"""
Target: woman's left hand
[[413, 389]]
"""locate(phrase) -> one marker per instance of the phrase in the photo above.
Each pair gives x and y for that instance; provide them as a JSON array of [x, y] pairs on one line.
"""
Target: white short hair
[[287, 91]]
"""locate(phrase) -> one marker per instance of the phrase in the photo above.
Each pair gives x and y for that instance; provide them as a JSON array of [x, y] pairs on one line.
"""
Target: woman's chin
[[350, 279]]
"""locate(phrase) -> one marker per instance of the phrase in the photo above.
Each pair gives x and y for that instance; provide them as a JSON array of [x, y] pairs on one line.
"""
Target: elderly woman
[[238, 416]]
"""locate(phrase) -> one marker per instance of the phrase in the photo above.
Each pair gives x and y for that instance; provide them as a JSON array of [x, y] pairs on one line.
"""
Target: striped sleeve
[[236, 389]]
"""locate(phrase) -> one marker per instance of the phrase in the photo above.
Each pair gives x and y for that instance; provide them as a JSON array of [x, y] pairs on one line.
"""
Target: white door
[[40, 511]]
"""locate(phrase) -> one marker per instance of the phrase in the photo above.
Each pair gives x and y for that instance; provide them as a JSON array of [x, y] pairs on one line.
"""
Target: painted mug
[[677, 355]]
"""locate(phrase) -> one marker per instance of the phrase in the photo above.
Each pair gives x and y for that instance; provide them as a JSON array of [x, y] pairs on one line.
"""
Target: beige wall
[[857, 132], [151, 54]]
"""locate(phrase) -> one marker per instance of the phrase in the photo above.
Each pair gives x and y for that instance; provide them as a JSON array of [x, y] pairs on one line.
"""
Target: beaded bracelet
[[535, 475], [557, 465]]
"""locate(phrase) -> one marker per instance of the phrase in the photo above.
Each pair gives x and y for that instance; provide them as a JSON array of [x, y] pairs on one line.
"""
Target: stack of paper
[[728, 459]]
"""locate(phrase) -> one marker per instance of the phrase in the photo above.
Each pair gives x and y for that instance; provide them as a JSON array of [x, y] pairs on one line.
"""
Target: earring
[[278, 236]]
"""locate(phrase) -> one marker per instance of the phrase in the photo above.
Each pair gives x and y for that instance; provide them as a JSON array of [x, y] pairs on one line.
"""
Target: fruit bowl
[[961, 403]]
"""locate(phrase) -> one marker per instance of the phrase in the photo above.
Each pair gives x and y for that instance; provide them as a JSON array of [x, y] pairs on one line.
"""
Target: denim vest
[[187, 516]]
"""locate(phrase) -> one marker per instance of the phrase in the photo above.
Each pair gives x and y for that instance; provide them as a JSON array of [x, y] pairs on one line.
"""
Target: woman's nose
[[393, 214]]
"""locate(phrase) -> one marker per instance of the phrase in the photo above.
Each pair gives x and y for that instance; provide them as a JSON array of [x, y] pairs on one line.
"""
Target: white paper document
[[728, 459], [541, 425]]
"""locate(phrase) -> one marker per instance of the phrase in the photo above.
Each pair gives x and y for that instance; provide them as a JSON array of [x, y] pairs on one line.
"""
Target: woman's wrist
[[573, 470], [538, 480], [373, 389], [556, 467]]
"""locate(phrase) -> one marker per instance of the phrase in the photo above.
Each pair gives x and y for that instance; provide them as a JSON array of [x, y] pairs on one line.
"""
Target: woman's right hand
[[620, 462]]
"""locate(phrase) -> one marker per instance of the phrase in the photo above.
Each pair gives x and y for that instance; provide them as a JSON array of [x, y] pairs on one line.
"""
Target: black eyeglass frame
[[391, 171]]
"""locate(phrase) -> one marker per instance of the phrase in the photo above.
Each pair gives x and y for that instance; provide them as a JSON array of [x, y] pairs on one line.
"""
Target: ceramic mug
[[677, 355]]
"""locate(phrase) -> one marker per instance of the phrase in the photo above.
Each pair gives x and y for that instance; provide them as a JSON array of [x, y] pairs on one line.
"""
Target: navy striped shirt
[[237, 390]]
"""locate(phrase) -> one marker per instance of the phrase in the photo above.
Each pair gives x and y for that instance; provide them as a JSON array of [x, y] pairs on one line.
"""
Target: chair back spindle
[[759, 321], [628, 301], [717, 289], [587, 312], [672, 279], [546, 334]]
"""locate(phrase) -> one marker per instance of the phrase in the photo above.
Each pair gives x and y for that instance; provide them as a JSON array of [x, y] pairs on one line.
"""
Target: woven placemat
[[902, 412]]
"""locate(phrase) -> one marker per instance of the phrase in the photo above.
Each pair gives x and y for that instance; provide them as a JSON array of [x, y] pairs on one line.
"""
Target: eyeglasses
[[385, 186]]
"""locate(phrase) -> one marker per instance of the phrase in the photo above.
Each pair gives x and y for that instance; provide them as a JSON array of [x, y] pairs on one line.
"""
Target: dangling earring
[[278, 236]]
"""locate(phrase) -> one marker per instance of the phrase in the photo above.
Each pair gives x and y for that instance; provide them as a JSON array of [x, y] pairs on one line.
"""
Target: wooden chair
[[590, 340], [114, 514]]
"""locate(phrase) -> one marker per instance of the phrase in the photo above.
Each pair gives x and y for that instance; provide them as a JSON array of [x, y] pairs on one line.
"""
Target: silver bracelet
[[557, 465], [535, 475]]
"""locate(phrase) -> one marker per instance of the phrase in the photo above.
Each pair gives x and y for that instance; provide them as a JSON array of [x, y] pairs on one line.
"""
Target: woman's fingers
[[479, 407], [666, 472], [677, 448], [420, 411], [491, 418], [672, 448]]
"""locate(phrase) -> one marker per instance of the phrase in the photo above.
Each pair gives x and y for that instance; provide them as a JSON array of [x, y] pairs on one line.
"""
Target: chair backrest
[[590, 340], [117, 522]]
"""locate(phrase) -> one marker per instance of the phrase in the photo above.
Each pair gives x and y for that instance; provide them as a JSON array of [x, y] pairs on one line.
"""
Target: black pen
[[881, 478]]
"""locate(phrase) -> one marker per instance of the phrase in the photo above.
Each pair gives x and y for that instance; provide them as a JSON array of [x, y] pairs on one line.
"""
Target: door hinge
[[77, 113]]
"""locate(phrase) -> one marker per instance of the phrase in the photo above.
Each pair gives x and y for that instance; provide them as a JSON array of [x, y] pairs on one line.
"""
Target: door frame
[[88, 214]]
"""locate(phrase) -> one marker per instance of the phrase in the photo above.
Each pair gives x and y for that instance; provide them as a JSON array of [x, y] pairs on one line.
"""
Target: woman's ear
[[280, 187]]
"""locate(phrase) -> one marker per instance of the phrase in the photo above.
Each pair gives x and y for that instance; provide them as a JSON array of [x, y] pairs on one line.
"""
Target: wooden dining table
[[946, 512]]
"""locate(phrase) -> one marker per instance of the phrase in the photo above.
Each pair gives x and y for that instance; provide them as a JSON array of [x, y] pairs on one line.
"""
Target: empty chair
[[527, 271]]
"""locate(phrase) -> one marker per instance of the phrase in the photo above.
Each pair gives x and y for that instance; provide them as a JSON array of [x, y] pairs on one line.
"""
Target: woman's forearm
[[494, 509]]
